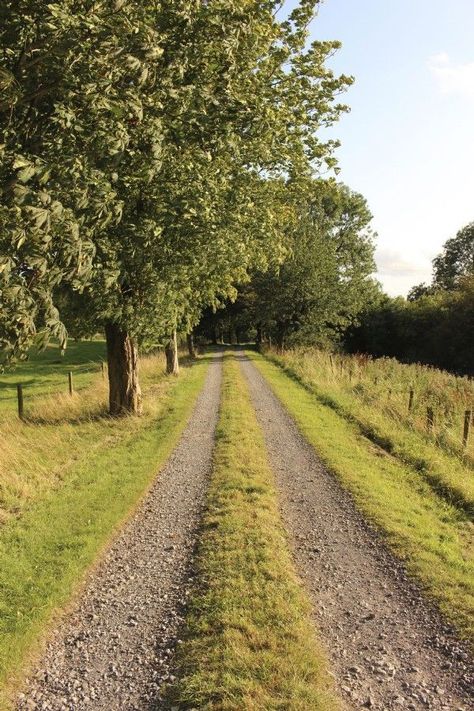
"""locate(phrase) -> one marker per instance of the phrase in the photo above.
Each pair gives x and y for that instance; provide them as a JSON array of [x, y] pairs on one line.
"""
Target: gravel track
[[113, 651], [389, 649]]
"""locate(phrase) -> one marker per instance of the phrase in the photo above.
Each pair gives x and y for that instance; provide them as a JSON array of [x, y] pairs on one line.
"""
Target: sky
[[408, 142]]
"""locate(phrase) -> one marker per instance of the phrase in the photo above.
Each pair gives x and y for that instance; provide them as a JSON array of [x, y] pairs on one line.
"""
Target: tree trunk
[[171, 351], [280, 337], [125, 396], [259, 338], [191, 349]]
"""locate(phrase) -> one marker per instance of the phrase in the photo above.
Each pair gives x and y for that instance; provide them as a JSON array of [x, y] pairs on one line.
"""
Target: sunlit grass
[[69, 477], [46, 372], [375, 395], [433, 536], [61, 430], [249, 643]]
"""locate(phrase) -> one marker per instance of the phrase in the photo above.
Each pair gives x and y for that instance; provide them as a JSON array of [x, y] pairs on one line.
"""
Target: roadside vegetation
[[249, 641], [432, 534], [375, 395], [70, 475], [45, 372]]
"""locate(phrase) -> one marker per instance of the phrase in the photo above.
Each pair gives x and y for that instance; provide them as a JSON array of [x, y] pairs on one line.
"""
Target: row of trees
[[323, 293], [435, 325], [321, 286], [153, 155]]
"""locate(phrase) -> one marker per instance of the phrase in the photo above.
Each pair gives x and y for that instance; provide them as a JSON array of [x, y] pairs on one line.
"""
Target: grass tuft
[[249, 641]]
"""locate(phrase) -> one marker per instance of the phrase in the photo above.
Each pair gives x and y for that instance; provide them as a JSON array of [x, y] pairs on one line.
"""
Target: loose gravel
[[113, 651], [388, 647]]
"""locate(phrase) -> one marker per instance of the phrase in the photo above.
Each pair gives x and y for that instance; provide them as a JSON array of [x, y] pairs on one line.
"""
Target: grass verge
[[430, 534], [249, 641], [45, 552], [448, 472]]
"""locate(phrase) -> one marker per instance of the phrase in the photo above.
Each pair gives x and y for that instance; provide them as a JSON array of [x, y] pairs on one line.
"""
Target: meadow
[[419, 495]]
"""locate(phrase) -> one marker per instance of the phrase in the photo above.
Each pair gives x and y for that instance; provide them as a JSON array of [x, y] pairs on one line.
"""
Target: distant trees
[[436, 324], [311, 294]]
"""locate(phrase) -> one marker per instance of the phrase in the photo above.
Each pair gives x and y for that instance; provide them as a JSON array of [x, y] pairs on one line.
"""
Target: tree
[[323, 284], [456, 260], [172, 124]]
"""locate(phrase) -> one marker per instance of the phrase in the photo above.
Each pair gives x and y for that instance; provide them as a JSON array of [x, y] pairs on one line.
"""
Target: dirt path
[[113, 651], [388, 649]]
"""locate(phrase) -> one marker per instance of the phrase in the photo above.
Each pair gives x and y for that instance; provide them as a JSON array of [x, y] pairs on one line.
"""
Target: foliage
[[456, 261], [324, 280], [138, 139], [436, 329]]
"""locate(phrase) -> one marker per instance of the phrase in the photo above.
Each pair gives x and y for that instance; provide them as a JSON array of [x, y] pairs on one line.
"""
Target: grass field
[[433, 534], [249, 640], [68, 479], [46, 372]]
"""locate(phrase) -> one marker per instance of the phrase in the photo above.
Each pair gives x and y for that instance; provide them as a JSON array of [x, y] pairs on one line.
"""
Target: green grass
[[432, 535], [249, 641], [48, 546], [363, 399], [46, 372]]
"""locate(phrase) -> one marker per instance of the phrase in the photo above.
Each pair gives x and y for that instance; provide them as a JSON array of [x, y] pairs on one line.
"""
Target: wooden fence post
[[19, 391], [410, 400], [467, 425], [102, 365], [429, 419], [71, 388]]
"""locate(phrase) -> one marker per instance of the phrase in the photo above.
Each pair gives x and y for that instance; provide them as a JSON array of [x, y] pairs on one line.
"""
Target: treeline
[[152, 156], [316, 293], [323, 294], [435, 325], [435, 329]]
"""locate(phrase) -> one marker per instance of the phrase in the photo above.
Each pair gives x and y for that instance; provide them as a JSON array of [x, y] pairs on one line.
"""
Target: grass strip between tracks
[[249, 642], [45, 553], [431, 535]]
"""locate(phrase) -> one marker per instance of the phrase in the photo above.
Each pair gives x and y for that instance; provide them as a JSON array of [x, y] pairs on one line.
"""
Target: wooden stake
[[467, 425], [410, 400], [429, 419], [19, 391], [102, 365], [71, 387]]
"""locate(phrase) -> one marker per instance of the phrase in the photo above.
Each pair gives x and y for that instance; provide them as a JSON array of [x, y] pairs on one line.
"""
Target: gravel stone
[[389, 647], [113, 650]]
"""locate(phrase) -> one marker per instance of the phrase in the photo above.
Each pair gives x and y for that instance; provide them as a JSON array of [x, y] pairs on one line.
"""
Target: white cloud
[[452, 78], [392, 264]]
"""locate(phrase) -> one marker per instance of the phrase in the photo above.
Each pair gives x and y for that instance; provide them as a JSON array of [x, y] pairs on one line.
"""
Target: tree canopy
[[141, 145]]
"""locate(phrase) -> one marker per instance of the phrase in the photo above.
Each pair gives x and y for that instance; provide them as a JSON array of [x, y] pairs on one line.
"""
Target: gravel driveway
[[112, 652], [388, 648]]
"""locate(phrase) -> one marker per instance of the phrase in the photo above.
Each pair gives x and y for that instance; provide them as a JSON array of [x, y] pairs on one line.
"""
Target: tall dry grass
[[374, 395]]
